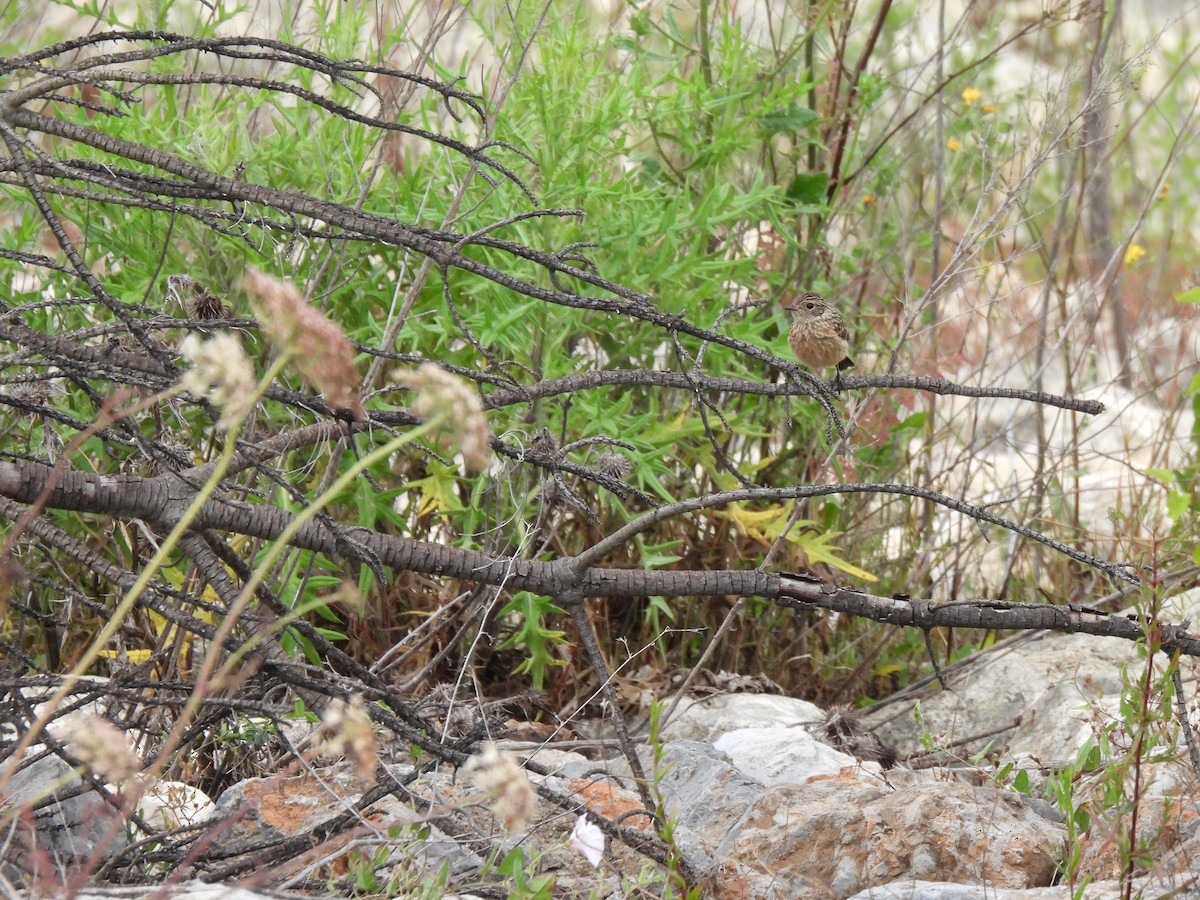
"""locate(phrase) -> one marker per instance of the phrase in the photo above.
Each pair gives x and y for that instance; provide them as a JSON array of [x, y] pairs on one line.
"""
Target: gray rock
[[939, 890], [260, 810], [707, 718], [70, 823]]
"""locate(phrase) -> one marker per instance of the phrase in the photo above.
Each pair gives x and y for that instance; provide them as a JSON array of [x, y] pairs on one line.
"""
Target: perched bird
[[819, 336], [844, 730]]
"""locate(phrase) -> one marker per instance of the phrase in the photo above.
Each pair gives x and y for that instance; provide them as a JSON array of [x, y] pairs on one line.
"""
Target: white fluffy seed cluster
[[348, 731], [464, 423], [222, 371], [504, 783], [104, 749]]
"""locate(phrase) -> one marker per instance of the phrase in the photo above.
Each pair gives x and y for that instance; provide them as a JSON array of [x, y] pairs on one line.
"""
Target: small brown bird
[[844, 730], [819, 336]]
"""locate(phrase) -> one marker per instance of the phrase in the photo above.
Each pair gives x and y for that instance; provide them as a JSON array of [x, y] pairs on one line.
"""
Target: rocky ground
[[939, 795]]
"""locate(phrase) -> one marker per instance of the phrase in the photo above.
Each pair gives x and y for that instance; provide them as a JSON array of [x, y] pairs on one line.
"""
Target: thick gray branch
[[689, 382]]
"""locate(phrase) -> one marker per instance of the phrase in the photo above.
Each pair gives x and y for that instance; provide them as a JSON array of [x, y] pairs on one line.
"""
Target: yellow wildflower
[[868, 200], [971, 94], [1164, 191], [1133, 253], [954, 145]]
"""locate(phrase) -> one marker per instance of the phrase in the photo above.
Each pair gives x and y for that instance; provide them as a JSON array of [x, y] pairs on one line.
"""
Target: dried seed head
[[194, 298], [551, 494], [543, 443], [103, 748], [613, 465], [348, 732], [505, 784], [220, 369], [180, 289], [207, 305], [170, 456], [30, 393], [37, 390], [463, 422], [317, 345]]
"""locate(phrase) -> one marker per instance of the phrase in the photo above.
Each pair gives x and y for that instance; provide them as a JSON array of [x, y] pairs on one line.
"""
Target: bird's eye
[[810, 305]]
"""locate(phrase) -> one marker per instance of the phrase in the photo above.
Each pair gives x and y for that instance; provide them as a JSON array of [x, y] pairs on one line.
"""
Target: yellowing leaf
[[766, 525], [756, 524], [438, 491], [137, 657], [175, 577], [816, 548]]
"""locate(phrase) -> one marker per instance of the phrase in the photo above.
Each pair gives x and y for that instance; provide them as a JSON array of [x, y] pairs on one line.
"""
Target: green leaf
[[794, 118], [1192, 296], [808, 188], [1082, 820], [1166, 476], [1021, 782], [529, 633], [1178, 503], [513, 864], [660, 605], [639, 23], [915, 422], [655, 556]]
